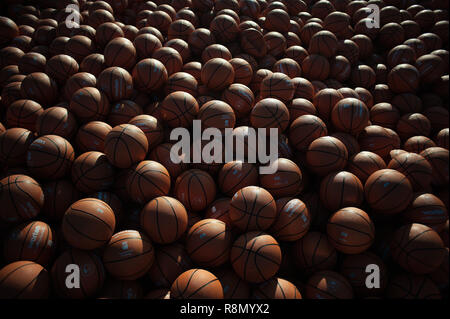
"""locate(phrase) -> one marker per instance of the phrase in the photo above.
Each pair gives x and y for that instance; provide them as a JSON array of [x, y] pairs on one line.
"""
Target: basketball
[[91, 172], [33, 86], [240, 98], [217, 114], [270, 113], [235, 175], [123, 83], [14, 144], [350, 230], [324, 101], [91, 278], [196, 284], [258, 216], [170, 261], [341, 189], [179, 109], [278, 86], [350, 115], [324, 43], [208, 242], [364, 164], [255, 256], [388, 191], [50, 157], [287, 180], [33, 241], [409, 286], [417, 248], [276, 288], [193, 182], [293, 220], [315, 67], [326, 154], [125, 145], [437, 157], [164, 219], [94, 212], [415, 167], [420, 208], [129, 255], [91, 136], [149, 75], [89, 104], [217, 74], [56, 121], [24, 280], [328, 285]]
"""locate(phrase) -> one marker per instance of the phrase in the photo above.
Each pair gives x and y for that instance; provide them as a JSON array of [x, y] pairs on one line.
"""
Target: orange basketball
[[125, 145], [438, 159], [350, 115], [16, 190], [89, 104], [255, 256], [24, 280], [91, 136], [151, 127], [324, 43], [409, 286], [196, 189], [235, 175], [427, 209], [88, 224], [341, 189], [14, 144], [388, 191], [123, 83], [50, 157], [32, 241], [59, 195], [196, 284], [287, 180], [417, 248], [304, 130], [217, 114], [179, 109], [233, 286], [364, 164], [170, 261], [277, 85], [149, 75], [164, 219], [92, 274], [58, 121], [293, 220], [350, 230], [413, 124], [276, 288], [415, 167], [270, 113], [128, 255], [315, 67], [240, 98], [326, 154], [257, 216], [325, 100], [181, 81], [208, 242], [328, 285], [217, 74]]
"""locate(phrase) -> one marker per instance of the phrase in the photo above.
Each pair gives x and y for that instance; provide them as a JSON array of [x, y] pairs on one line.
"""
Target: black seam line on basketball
[[84, 173], [65, 117], [157, 220], [290, 222], [239, 96], [188, 282], [203, 188], [201, 287], [117, 142], [128, 258], [39, 88], [24, 288], [174, 214], [282, 290], [408, 255], [180, 112], [350, 245], [256, 252], [251, 210], [207, 241], [249, 250], [189, 190], [341, 199], [257, 267], [236, 286], [82, 234], [82, 211], [193, 230], [233, 260], [212, 73], [24, 242], [73, 262], [45, 243], [96, 113], [422, 284], [63, 157], [274, 117]]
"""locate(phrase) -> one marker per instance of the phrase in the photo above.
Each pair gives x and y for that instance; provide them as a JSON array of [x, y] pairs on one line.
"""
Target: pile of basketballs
[[94, 205]]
